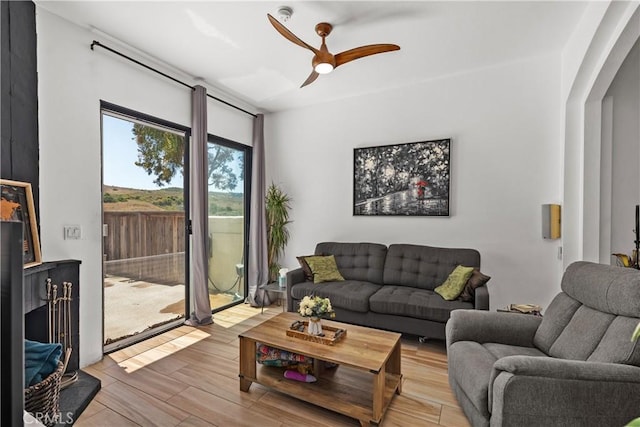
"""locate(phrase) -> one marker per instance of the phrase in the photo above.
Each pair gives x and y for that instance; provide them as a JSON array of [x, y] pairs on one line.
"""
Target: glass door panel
[[226, 204], [143, 227]]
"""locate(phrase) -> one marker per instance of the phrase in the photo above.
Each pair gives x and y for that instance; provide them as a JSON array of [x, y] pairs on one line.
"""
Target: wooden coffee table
[[363, 385]]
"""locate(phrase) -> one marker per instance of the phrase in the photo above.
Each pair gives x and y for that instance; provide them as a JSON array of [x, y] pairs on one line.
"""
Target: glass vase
[[315, 326]]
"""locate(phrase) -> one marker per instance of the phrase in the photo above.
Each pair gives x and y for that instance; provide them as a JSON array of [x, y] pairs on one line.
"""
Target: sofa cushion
[[351, 295], [357, 261], [503, 350], [609, 289], [455, 283], [615, 346], [582, 334], [556, 318], [424, 267], [324, 269], [413, 302]]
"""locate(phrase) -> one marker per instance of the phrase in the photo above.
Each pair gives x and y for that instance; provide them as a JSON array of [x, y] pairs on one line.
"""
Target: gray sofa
[[576, 366], [390, 287]]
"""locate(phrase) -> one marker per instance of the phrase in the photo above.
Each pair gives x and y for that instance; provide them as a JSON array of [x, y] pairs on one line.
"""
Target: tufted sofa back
[[594, 316], [357, 261], [424, 266]]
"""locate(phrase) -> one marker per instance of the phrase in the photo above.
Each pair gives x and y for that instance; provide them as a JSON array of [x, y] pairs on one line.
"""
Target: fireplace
[[75, 397], [36, 326]]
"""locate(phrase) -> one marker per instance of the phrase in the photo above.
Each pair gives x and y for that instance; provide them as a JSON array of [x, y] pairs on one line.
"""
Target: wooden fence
[[143, 234], [146, 246], [149, 246]]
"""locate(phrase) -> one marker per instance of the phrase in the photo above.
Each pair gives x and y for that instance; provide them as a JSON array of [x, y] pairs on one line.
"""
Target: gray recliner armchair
[[576, 366]]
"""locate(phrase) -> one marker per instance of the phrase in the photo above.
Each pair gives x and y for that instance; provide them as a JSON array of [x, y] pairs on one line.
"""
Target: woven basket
[[42, 400]]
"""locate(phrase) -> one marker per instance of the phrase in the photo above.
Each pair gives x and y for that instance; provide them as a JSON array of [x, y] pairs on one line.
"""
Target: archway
[[616, 34]]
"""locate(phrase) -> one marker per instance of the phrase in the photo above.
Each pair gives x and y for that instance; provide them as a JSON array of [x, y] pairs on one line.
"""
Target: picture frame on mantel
[[16, 204], [411, 179]]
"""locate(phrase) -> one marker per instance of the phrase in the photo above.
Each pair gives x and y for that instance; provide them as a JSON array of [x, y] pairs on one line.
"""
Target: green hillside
[[168, 199]]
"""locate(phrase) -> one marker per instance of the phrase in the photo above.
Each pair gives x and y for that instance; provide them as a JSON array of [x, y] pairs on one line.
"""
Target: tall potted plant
[[277, 205]]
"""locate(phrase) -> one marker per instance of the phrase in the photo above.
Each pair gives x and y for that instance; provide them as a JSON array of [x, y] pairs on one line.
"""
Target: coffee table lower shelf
[[344, 390]]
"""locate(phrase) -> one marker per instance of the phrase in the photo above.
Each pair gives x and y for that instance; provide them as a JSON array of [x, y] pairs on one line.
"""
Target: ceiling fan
[[323, 61]]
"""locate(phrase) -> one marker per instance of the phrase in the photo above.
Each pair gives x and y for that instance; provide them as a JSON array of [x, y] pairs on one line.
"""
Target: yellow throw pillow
[[454, 285], [324, 269]]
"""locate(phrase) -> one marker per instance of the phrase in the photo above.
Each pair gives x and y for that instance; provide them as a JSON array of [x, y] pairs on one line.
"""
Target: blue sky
[[119, 154]]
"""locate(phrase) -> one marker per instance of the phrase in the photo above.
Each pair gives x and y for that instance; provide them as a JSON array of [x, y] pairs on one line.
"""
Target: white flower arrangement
[[314, 306]]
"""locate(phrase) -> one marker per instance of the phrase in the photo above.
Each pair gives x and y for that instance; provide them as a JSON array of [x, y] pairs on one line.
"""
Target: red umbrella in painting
[[422, 185]]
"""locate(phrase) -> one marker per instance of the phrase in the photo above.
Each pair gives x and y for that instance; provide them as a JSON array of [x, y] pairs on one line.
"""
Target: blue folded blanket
[[40, 360]]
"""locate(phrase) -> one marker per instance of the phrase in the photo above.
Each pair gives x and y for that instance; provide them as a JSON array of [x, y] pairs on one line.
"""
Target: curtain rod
[[97, 43]]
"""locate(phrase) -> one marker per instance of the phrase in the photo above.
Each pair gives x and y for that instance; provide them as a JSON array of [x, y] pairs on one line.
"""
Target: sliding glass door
[[227, 205], [145, 211]]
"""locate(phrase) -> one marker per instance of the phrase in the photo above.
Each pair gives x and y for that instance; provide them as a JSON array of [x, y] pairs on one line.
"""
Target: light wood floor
[[189, 377]]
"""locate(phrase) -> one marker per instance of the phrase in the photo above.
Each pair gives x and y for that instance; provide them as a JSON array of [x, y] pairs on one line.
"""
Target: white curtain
[[258, 266], [199, 301]]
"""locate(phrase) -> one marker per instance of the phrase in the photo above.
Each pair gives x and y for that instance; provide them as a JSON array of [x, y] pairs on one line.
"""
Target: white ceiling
[[232, 46]]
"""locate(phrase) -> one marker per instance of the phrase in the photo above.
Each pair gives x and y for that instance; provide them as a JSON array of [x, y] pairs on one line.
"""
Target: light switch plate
[[72, 232]]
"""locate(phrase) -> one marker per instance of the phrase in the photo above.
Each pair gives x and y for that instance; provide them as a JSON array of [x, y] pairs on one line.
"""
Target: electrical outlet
[[72, 232]]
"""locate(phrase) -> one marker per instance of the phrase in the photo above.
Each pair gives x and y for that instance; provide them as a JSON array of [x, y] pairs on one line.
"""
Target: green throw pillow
[[324, 269], [453, 286]]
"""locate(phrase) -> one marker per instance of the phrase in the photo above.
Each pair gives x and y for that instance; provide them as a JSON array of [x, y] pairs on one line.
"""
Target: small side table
[[274, 287]]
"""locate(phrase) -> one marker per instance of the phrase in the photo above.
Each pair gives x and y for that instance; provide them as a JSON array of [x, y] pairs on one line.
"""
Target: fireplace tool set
[[59, 324]]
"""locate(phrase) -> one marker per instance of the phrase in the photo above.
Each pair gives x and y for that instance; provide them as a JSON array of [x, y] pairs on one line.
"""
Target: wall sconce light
[[551, 221]]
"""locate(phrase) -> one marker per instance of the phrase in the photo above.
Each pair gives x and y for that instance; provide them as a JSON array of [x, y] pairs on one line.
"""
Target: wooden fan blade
[[362, 51], [312, 78], [288, 34]]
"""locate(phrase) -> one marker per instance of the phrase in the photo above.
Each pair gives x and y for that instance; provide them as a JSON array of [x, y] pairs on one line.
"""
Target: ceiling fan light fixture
[[323, 68], [323, 61]]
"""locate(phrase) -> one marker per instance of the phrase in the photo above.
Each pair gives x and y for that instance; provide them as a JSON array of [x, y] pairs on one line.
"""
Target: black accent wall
[[19, 95], [12, 324]]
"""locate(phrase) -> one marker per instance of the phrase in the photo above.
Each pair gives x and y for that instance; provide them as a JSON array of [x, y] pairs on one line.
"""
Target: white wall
[[606, 183], [72, 79], [506, 160], [624, 191], [609, 34]]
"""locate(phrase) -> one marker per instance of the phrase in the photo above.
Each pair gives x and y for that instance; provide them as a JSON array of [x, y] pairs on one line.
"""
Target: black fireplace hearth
[[36, 327], [75, 397]]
